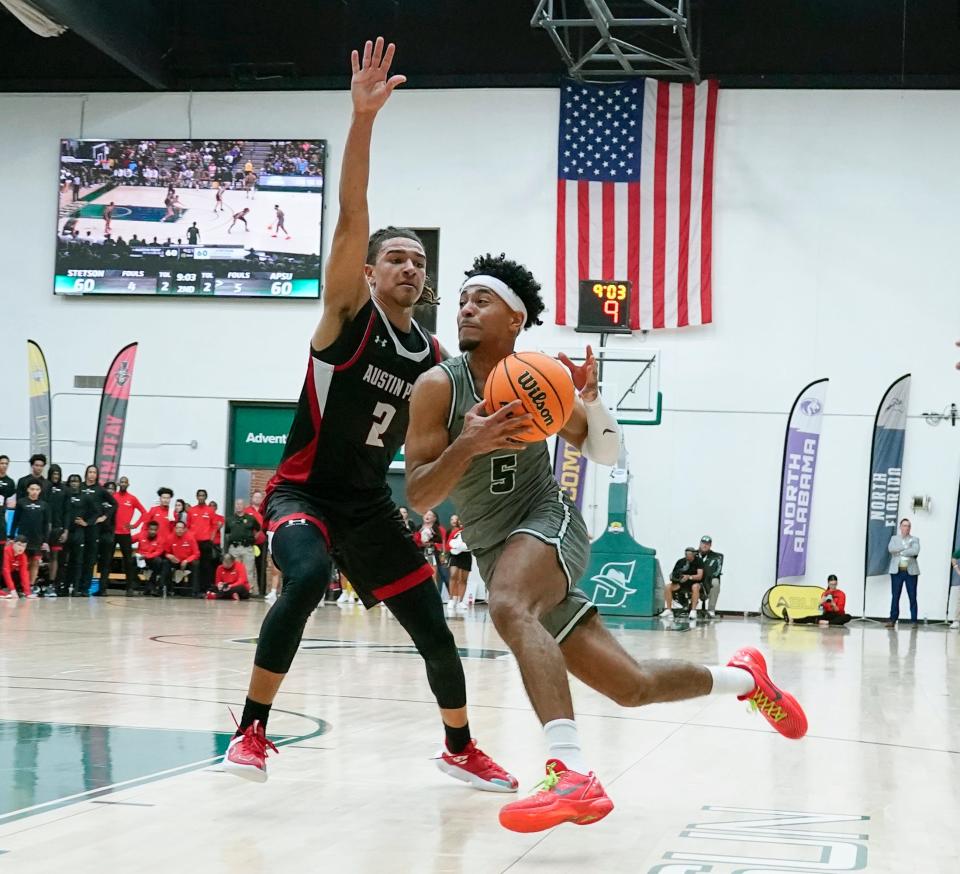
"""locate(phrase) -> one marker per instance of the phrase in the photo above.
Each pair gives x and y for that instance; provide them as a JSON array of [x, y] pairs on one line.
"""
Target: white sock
[[564, 743], [731, 681]]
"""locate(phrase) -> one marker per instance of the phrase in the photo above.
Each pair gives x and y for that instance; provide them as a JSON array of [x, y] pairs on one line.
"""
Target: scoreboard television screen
[[195, 218]]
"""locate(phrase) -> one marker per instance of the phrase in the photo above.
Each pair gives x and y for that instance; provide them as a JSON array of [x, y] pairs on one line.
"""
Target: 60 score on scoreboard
[[181, 283]]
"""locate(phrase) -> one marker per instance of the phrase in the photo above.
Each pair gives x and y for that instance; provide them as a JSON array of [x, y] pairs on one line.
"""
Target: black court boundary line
[[431, 703]]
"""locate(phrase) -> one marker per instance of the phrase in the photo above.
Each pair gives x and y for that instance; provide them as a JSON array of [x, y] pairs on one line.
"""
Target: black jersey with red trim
[[354, 409]]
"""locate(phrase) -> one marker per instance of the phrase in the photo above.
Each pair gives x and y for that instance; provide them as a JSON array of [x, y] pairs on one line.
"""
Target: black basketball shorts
[[368, 543]]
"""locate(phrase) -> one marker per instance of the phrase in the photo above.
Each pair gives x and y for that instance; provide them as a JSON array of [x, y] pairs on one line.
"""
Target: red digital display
[[604, 306]]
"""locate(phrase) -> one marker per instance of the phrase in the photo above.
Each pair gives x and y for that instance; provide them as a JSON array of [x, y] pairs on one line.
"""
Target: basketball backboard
[[629, 380]]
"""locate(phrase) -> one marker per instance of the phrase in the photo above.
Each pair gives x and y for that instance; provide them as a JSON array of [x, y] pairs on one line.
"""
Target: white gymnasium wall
[[835, 225]]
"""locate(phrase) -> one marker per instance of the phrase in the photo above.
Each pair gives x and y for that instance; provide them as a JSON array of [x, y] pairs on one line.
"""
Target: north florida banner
[[800, 447], [38, 388], [570, 469], [113, 413], [886, 464]]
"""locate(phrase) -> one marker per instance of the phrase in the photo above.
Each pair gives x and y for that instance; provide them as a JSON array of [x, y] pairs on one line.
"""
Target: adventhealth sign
[[258, 433]]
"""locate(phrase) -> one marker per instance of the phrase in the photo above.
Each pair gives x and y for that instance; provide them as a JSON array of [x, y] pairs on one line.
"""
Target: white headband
[[500, 289]]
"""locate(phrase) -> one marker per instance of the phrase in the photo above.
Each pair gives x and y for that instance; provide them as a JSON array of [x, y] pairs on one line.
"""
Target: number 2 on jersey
[[382, 417], [503, 470]]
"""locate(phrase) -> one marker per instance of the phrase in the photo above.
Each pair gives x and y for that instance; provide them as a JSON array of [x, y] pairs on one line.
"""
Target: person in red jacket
[[231, 581], [150, 547], [833, 603], [128, 506], [260, 542], [161, 514], [16, 569], [218, 520], [183, 553], [430, 537], [200, 523]]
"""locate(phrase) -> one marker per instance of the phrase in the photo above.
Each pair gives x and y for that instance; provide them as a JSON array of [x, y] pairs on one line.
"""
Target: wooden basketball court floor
[[113, 713]]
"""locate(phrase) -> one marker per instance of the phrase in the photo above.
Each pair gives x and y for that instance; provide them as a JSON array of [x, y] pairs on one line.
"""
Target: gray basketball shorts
[[554, 520]]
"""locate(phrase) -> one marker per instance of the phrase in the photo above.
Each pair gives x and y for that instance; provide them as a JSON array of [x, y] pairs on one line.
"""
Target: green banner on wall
[[258, 433]]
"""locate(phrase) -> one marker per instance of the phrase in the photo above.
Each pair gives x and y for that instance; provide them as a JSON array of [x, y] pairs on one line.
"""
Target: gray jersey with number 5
[[499, 489]]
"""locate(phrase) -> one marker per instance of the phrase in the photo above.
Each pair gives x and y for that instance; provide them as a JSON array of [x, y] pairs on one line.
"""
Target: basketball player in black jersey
[[329, 496]]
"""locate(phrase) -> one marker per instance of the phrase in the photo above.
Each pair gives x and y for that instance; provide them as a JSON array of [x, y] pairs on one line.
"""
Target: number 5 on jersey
[[382, 417], [503, 469]]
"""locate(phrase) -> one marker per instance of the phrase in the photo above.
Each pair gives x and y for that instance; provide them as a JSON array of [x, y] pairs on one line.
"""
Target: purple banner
[[800, 448], [570, 469]]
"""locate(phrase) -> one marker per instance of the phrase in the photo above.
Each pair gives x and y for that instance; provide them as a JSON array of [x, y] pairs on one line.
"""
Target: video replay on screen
[[190, 218]]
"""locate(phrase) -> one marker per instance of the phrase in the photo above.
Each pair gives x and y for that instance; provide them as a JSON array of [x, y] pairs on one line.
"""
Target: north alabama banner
[[570, 469], [38, 387], [800, 447], [886, 465], [113, 413]]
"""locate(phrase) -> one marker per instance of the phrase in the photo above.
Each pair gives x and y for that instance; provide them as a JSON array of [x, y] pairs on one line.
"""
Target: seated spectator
[[182, 554], [150, 551], [231, 582], [687, 574], [833, 604], [712, 571], [15, 569]]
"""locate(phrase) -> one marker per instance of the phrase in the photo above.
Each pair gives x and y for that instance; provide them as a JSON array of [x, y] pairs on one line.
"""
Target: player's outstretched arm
[[345, 288], [590, 428], [434, 464]]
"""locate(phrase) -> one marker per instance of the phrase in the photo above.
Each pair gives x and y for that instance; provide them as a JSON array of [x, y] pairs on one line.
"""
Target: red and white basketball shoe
[[779, 708], [247, 754], [475, 767], [563, 796]]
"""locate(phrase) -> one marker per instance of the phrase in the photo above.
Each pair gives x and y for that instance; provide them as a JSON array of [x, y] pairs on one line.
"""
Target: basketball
[[542, 383]]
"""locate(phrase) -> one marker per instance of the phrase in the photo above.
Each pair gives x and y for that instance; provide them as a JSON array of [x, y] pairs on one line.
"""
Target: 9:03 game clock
[[604, 306]]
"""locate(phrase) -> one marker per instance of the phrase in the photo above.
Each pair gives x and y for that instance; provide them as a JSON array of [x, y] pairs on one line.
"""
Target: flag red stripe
[[583, 230], [660, 202], [706, 215], [633, 250], [609, 232], [561, 252], [683, 240]]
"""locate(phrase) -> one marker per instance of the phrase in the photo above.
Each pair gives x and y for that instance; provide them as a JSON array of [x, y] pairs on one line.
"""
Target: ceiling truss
[[600, 40]]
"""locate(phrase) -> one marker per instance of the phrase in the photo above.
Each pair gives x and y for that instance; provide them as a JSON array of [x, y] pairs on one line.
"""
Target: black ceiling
[[304, 44]]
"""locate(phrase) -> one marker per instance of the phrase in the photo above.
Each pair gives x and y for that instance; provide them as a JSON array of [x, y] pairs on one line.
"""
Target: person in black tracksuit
[[56, 501], [31, 519], [79, 512], [97, 494], [108, 536], [8, 488], [37, 464]]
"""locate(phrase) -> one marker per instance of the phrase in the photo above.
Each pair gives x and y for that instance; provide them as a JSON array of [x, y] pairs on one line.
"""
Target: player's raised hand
[[485, 432], [584, 375], [370, 87]]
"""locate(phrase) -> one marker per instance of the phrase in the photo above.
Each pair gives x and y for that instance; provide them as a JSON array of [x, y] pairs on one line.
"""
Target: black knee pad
[[300, 551]]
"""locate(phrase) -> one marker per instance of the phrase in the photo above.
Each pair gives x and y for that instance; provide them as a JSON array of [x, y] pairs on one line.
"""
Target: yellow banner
[[38, 382]]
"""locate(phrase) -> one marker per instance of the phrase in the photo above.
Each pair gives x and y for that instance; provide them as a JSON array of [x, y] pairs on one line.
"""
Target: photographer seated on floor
[[833, 603], [686, 577]]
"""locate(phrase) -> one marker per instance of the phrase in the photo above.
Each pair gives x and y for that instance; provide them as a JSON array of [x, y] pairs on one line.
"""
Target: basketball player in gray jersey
[[532, 546]]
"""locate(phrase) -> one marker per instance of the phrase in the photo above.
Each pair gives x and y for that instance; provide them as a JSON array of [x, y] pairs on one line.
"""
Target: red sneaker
[[564, 796], [779, 708], [475, 767], [247, 754]]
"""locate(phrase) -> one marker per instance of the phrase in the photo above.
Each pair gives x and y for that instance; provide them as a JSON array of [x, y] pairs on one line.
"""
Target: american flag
[[635, 197]]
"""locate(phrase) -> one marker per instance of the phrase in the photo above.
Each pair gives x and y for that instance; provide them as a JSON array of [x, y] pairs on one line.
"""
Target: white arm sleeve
[[602, 443]]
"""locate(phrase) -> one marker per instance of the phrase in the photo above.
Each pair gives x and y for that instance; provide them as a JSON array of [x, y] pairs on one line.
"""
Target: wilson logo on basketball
[[528, 382]]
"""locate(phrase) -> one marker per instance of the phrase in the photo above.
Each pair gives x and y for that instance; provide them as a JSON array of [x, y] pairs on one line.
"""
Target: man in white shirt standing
[[904, 549]]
